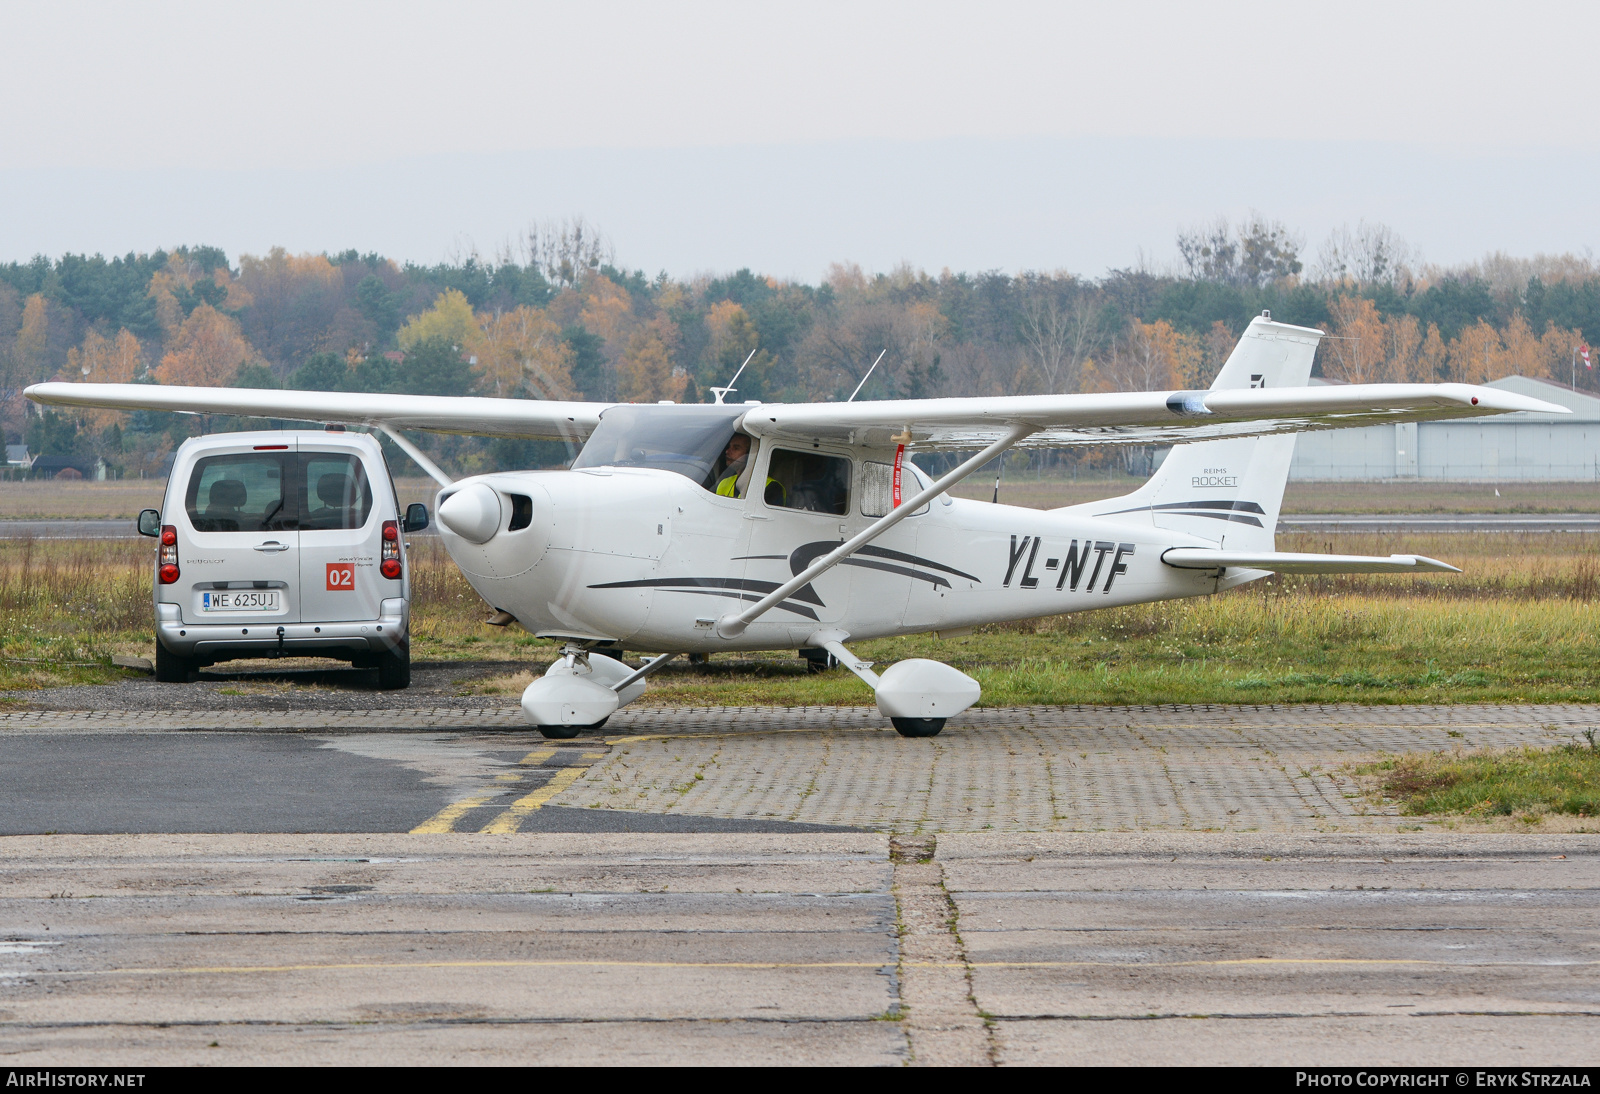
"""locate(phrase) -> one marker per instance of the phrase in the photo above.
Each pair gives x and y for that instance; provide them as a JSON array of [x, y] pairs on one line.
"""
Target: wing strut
[[422, 461], [733, 624]]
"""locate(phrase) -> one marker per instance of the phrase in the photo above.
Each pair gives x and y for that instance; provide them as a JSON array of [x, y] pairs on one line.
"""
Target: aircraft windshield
[[685, 439]]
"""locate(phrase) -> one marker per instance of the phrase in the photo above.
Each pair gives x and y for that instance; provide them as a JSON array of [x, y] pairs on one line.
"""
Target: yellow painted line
[[537, 756], [353, 966], [512, 818], [445, 819]]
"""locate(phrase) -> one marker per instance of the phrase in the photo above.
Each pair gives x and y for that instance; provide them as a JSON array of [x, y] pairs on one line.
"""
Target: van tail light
[[167, 558], [390, 566]]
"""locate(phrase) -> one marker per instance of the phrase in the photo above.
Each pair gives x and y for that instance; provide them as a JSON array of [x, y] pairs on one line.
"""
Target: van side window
[[335, 491], [238, 493], [808, 480]]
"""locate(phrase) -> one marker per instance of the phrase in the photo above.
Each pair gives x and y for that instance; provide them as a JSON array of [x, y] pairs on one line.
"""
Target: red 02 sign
[[341, 575]]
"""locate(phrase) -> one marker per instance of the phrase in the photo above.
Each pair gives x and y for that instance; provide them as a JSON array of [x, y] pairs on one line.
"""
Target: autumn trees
[[553, 317], [1366, 347]]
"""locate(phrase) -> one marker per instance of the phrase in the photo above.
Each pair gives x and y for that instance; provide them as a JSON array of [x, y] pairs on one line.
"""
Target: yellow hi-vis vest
[[729, 485]]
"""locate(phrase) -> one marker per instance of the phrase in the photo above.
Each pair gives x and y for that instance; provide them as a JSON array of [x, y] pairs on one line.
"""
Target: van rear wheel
[[172, 669], [394, 669]]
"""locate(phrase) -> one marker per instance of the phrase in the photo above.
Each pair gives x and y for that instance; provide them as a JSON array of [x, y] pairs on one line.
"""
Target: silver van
[[282, 544]]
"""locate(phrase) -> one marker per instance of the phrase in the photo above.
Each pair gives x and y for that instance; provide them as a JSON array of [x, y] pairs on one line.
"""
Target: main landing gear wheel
[[566, 733], [918, 727]]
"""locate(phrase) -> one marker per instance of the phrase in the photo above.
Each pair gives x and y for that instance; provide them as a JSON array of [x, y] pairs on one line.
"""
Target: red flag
[[1583, 351]]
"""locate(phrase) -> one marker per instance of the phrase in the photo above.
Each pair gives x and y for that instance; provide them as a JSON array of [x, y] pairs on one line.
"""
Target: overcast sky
[[707, 136]]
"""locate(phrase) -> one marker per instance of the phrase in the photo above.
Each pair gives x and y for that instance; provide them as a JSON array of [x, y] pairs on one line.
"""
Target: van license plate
[[242, 600]]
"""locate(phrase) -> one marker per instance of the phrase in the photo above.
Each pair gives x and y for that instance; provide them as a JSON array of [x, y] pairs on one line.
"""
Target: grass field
[[88, 500], [1520, 625], [1527, 784]]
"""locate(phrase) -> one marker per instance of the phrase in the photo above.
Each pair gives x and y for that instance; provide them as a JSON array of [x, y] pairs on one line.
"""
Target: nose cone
[[473, 513]]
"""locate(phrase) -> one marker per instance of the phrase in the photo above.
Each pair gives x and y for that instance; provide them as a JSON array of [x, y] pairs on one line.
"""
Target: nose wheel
[[917, 727], [566, 733]]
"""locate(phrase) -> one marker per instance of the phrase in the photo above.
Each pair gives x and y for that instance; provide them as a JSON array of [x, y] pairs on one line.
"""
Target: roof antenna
[[719, 392], [868, 376]]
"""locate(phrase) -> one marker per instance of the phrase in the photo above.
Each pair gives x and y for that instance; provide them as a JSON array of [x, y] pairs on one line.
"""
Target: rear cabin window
[[877, 487], [809, 481], [336, 491], [239, 493]]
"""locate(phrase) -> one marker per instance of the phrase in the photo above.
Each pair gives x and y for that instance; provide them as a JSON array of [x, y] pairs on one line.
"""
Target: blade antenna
[[719, 392], [867, 377], [1001, 470]]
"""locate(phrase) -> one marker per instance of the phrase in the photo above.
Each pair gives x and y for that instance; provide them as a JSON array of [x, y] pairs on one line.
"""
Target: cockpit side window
[[808, 480]]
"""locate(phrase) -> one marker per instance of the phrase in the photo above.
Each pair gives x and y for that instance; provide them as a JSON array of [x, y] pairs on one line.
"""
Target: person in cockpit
[[738, 459], [736, 467]]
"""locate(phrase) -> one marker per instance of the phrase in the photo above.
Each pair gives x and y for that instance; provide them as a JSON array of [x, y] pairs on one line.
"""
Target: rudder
[[1229, 491]]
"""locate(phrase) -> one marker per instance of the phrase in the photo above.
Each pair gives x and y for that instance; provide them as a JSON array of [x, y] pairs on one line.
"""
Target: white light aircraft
[[707, 528]]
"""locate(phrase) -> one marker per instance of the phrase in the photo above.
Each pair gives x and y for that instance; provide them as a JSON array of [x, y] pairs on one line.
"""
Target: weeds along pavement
[[1517, 626]]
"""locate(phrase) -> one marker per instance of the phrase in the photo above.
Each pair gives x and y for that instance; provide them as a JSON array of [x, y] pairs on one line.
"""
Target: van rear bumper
[[347, 640]]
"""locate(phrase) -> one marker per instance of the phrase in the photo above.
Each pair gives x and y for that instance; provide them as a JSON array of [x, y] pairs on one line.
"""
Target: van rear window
[[239, 493], [336, 491], [278, 492]]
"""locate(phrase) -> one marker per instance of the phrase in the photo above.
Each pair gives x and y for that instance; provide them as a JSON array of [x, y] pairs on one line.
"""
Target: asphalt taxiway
[[858, 948], [287, 882]]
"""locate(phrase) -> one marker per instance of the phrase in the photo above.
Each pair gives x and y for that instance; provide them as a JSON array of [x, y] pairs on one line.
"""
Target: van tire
[[394, 669], [172, 669]]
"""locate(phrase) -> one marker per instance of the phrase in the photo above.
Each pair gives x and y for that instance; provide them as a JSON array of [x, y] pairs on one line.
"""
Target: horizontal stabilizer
[[1290, 562]]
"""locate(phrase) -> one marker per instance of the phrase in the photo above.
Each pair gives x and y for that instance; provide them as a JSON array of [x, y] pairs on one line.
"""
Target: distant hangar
[[1507, 448]]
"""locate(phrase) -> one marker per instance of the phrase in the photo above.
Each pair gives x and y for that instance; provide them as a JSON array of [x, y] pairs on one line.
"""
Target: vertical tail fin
[[1228, 491]]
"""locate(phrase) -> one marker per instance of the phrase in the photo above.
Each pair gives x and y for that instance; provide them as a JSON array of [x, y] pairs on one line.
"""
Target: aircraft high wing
[[1141, 417]]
